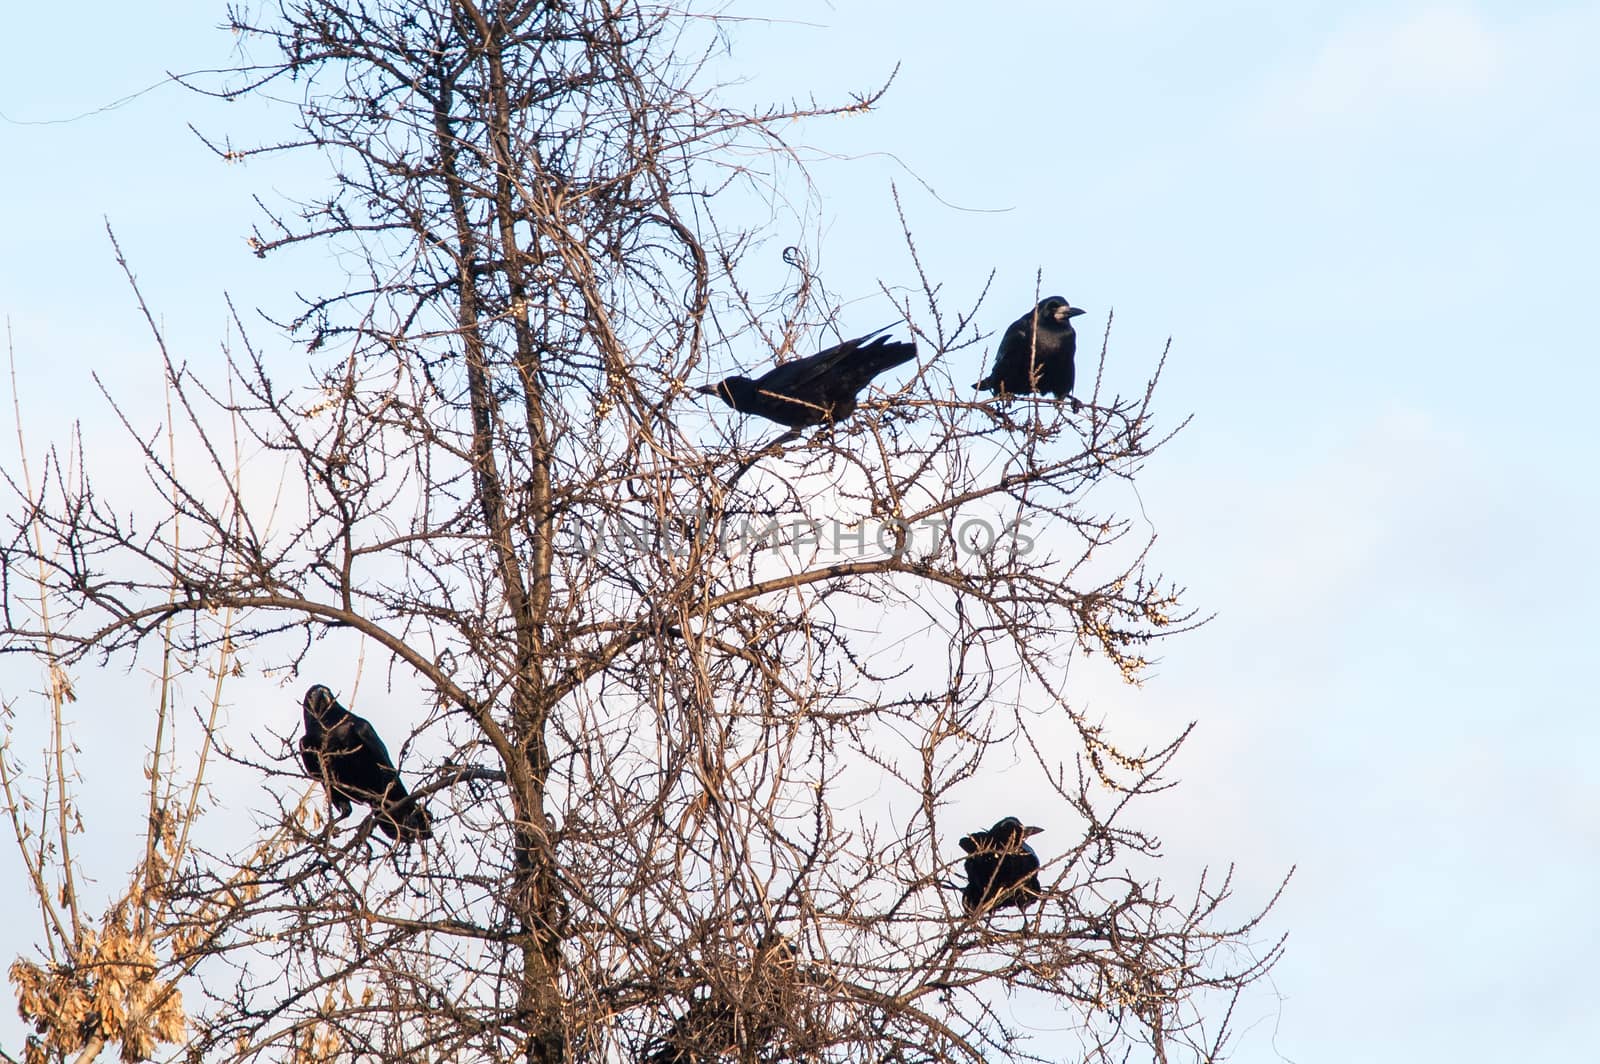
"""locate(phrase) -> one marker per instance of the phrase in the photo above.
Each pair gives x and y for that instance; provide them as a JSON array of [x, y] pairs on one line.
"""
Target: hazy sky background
[[1369, 230]]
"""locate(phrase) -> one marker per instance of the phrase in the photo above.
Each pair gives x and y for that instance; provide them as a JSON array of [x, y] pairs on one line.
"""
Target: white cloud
[[1436, 57]]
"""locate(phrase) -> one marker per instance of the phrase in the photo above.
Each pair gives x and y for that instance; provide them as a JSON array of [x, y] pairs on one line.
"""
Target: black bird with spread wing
[[344, 752], [1035, 354], [1001, 867], [818, 389]]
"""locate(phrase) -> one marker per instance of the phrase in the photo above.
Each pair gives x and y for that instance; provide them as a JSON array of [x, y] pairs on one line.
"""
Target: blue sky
[[1369, 230]]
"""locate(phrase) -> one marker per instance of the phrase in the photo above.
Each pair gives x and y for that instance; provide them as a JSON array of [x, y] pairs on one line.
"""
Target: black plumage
[[344, 752], [1036, 353], [818, 389], [1001, 867]]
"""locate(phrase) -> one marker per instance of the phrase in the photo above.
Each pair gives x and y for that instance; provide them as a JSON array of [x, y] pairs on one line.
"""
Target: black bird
[[1002, 868], [1035, 354], [344, 752], [818, 389]]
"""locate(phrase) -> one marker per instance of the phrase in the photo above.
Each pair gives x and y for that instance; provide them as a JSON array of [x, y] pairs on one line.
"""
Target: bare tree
[[706, 699]]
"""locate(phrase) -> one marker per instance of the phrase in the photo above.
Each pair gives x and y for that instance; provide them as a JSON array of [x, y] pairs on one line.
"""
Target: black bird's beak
[[1034, 831], [707, 389], [1072, 312]]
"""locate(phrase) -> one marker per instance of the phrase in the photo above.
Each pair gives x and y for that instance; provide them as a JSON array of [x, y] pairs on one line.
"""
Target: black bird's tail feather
[[884, 353], [871, 353], [405, 820]]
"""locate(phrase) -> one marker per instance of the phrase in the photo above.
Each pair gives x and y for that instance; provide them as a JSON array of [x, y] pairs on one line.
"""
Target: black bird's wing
[[310, 758], [1018, 878], [980, 869], [800, 373], [1012, 358], [827, 382], [319, 765], [367, 767], [359, 768], [353, 760], [863, 363], [398, 815], [1058, 348]]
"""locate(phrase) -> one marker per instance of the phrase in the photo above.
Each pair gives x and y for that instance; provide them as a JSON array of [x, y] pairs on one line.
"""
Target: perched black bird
[[1002, 868], [344, 752], [1035, 354], [816, 390]]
